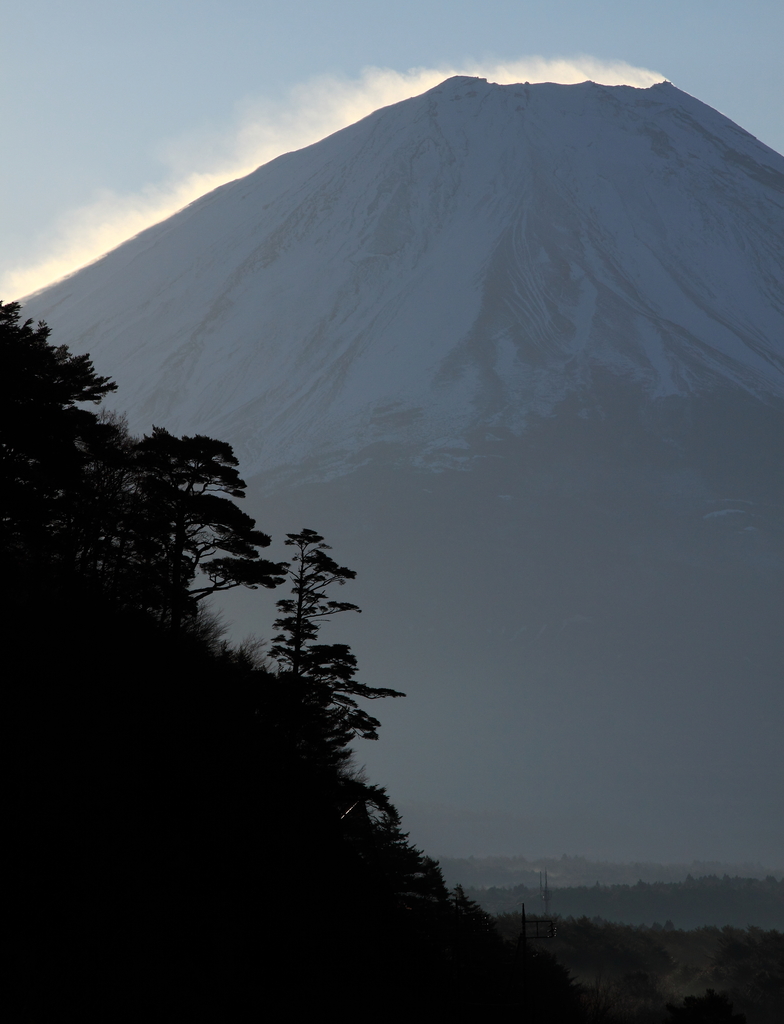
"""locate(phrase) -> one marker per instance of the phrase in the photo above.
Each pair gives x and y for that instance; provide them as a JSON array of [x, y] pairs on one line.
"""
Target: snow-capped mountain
[[517, 352], [453, 261]]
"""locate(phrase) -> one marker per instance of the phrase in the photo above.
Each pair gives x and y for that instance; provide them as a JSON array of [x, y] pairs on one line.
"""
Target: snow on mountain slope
[[457, 260]]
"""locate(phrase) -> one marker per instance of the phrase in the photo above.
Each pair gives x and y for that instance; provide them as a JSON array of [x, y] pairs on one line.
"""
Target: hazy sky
[[117, 113]]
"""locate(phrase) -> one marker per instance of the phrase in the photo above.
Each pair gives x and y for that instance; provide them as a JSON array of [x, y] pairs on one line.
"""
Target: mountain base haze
[[584, 623]]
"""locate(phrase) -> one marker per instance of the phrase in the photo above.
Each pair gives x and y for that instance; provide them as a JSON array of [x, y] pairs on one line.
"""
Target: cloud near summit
[[261, 130]]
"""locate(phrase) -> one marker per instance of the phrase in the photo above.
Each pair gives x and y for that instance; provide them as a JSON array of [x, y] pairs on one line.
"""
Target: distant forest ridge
[[693, 903], [484, 872]]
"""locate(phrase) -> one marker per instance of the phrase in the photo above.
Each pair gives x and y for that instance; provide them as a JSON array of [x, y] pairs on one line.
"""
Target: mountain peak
[[464, 257]]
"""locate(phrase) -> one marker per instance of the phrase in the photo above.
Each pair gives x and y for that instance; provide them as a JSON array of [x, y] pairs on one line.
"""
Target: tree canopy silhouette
[[712, 1008], [323, 673], [187, 484], [149, 524], [45, 438]]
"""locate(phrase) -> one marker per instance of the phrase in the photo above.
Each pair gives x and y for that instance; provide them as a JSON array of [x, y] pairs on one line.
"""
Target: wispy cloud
[[263, 130]]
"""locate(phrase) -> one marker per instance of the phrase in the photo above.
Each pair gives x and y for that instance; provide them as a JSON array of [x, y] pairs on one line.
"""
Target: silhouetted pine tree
[[45, 440], [186, 484], [322, 674]]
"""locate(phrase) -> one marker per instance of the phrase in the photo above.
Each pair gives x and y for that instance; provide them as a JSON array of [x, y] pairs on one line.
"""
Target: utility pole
[[525, 966], [530, 930]]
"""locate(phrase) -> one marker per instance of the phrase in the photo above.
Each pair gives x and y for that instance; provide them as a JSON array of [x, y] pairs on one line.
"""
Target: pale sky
[[117, 113]]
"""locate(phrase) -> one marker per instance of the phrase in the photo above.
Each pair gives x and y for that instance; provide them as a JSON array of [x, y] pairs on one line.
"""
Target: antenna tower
[[545, 892]]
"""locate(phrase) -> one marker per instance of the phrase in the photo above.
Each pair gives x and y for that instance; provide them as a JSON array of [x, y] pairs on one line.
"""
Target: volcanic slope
[[517, 351], [454, 260]]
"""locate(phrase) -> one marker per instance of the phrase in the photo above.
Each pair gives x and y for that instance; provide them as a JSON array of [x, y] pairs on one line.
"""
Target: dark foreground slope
[[188, 837], [187, 844]]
